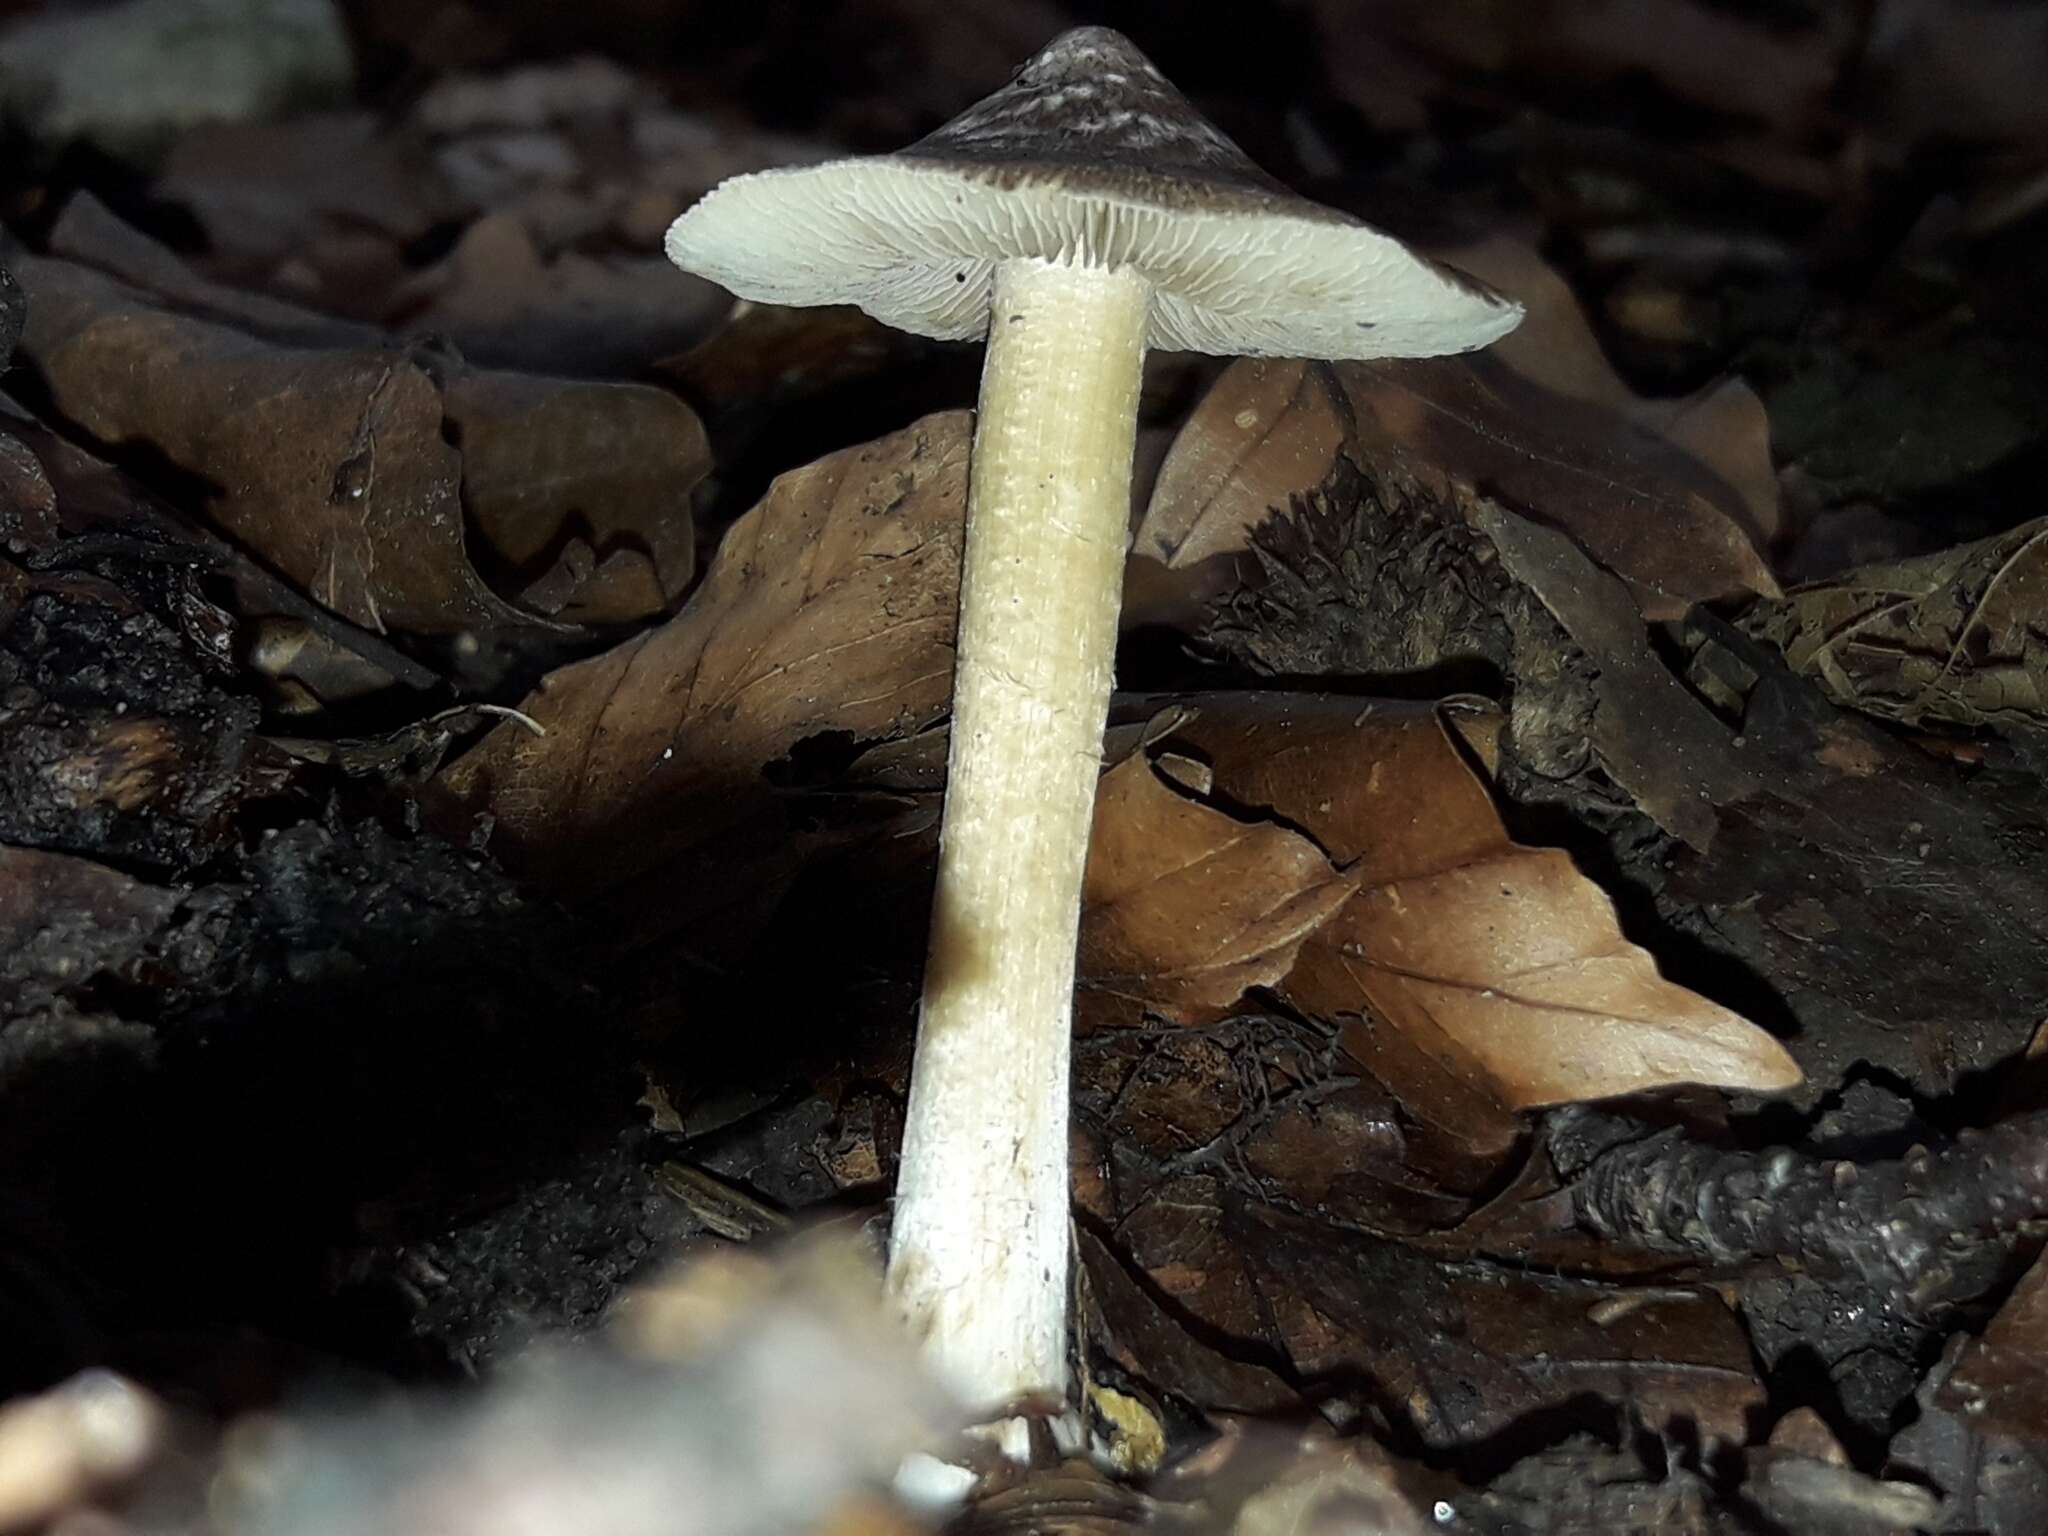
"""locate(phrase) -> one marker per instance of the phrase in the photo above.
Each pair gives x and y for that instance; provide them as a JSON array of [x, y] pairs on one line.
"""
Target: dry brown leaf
[[1266, 430], [1473, 976], [1186, 908], [1722, 425], [352, 469], [91, 234], [1499, 967], [1514, 963], [829, 608], [1517, 966]]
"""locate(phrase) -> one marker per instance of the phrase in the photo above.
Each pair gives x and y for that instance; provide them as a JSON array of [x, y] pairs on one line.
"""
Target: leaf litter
[[374, 477], [1346, 996]]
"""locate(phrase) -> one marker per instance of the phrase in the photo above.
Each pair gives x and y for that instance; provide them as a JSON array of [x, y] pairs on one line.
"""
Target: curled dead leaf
[[359, 471]]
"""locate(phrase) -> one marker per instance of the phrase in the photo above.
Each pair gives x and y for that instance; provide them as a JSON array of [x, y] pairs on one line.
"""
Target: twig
[[1919, 1230]]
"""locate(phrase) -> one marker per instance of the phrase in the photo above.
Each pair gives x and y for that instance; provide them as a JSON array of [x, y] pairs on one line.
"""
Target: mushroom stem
[[980, 1248]]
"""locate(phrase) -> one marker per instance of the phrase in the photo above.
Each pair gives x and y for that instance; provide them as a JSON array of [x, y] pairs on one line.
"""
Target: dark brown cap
[[1088, 156]]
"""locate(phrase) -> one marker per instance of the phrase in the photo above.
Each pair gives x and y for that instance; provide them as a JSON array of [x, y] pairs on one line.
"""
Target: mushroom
[[1079, 215]]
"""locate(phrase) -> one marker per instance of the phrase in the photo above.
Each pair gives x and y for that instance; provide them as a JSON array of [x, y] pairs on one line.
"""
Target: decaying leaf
[[829, 610], [66, 923], [1655, 738], [1133, 1330], [1959, 637], [1449, 1357]]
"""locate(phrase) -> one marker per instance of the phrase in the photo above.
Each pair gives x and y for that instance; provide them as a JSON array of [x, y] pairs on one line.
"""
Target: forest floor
[[473, 722]]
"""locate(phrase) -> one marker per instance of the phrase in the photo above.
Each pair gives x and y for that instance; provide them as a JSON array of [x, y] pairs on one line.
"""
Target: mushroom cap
[[1087, 156]]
